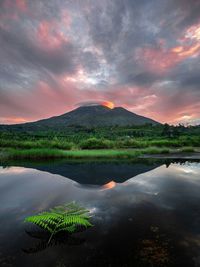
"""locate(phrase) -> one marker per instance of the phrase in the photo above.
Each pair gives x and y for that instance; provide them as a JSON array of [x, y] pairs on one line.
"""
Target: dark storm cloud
[[20, 48], [143, 78], [121, 26], [190, 11], [193, 80]]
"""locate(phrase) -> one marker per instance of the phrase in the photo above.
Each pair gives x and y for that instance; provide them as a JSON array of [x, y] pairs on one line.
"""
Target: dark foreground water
[[144, 213]]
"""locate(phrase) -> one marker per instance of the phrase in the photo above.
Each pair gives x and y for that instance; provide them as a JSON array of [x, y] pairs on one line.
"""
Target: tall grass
[[55, 153], [108, 153], [78, 154], [34, 154]]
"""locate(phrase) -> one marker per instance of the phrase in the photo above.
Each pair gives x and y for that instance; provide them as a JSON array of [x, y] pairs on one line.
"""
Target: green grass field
[[44, 153]]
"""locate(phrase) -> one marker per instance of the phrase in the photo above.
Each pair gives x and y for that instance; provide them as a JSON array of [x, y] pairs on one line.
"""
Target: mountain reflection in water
[[141, 218], [94, 173]]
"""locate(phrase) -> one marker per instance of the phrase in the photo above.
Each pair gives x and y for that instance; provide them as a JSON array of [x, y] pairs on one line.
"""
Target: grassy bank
[[98, 143], [72, 154], [79, 154]]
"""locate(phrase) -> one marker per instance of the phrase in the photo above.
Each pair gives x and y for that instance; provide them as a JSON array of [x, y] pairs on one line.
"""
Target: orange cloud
[[187, 51], [13, 120]]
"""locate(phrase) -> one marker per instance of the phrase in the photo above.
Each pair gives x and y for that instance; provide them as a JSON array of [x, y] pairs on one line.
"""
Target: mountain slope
[[89, 116]]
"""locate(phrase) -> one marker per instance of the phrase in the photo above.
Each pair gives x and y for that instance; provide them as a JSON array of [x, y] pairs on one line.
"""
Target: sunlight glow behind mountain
[[108, 104]]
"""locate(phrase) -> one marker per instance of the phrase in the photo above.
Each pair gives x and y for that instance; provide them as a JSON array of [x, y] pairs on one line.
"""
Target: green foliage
[[102, 137], [94, 143], [132, 143], [42, 143], [62, 218]]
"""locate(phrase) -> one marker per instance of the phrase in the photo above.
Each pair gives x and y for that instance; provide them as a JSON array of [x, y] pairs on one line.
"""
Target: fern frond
[[70, 229], [62, 218], [74, 220], [44, 216], [45, 220]]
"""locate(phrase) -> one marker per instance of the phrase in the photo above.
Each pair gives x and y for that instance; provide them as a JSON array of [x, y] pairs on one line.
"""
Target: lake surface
[[145, 213]]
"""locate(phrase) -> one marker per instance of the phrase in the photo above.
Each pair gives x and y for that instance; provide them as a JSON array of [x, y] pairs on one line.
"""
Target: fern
[[62, 218]]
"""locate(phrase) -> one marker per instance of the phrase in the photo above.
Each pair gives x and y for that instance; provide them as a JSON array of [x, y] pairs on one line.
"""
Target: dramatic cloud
[[142, 55]]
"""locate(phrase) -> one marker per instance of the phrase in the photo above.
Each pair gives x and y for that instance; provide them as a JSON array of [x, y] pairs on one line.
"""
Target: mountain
[[87, 116]]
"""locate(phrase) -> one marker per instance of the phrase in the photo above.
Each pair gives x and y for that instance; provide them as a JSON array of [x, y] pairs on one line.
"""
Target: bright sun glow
[[108, 104]]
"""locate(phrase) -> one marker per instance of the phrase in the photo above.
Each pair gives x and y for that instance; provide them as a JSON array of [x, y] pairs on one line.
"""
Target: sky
[[143, 55]]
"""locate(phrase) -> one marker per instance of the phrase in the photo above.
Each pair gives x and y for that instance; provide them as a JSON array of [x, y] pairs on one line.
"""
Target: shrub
[[62, 144], [94, 143], [131, 143]]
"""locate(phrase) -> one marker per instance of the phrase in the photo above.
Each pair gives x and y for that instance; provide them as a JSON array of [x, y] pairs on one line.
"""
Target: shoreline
[[147, 153], [191, 155]]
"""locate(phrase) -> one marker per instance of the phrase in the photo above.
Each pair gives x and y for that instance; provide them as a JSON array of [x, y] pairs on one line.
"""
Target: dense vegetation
[[104, 137], [144, 139]]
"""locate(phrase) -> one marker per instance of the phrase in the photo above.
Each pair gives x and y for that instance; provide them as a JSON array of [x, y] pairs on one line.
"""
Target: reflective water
[[145, 213]]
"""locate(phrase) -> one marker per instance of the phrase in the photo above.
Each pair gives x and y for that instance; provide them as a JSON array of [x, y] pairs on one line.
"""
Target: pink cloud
[[12, 11], [21, 5], [162, 59], [49, 35]]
